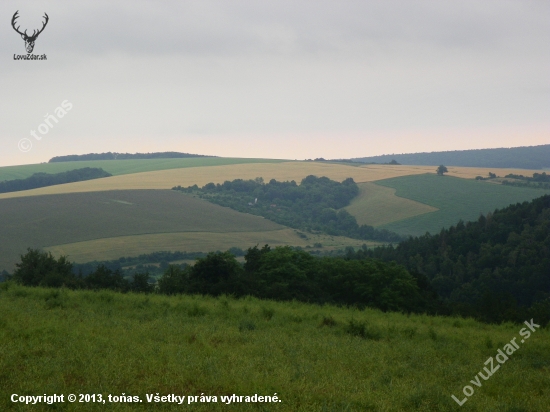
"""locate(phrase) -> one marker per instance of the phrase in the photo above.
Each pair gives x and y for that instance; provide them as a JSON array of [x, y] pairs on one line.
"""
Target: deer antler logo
[[29, 40]]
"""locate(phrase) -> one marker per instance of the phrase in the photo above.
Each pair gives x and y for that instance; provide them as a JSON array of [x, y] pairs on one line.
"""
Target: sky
[[274, 79]]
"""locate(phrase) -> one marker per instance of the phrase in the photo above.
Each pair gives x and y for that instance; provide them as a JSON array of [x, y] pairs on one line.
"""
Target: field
[[115, 247], [200, 175], [313, 358], [123, 167], [377, 205], [455, 198], [58, 219], [133, 213]]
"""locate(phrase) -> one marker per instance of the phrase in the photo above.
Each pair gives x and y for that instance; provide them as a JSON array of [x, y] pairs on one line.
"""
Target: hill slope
[[528, 157]]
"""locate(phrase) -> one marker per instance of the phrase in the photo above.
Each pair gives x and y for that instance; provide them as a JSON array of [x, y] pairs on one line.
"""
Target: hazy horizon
[[288, 80]]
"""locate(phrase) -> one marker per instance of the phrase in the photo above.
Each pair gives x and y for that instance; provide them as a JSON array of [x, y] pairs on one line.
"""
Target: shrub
[[362, 330]]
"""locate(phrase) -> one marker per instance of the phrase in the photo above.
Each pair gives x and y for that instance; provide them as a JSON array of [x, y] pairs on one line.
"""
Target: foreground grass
[[66, 342]]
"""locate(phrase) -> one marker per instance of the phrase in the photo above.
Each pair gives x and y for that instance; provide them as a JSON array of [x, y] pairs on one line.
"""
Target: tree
[[441, 169], [215, 274], [42, 269]]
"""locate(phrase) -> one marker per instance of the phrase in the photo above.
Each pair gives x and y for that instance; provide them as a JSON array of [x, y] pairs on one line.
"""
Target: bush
[[362, 330]]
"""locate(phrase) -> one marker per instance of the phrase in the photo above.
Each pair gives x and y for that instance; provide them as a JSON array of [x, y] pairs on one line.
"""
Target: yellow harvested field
[[166, 179], [377, 205], [115, 247]]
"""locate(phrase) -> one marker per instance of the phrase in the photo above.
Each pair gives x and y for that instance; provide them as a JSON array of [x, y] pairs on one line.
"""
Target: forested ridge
[[493, 268], [313, 205], [528, 157], [50, 179]]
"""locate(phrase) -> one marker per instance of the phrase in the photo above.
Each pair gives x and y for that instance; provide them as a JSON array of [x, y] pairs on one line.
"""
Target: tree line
[[123, 156], [538, 181], [315, 205], [50, 179], [282, 274]]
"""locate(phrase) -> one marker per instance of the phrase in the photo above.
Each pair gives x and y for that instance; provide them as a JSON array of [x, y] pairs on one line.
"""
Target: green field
[[123, 167], [49, 220], [377, 205], [454, 197], [311, 357]]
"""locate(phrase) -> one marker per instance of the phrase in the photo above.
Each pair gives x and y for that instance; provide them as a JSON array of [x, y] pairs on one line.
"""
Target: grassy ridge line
[[455, 198], [115, 247], [102, 342], [122, 167], [378, 205]]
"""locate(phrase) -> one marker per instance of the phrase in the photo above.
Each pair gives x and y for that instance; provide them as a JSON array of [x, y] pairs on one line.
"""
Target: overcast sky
[[277, 79]]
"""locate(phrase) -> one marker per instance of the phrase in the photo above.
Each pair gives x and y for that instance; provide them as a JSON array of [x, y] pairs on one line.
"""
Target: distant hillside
[[527, 157], [120, 156]]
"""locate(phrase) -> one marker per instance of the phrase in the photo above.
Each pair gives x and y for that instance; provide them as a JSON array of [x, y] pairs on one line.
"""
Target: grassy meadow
[[455, 198], [123, 167], [42, 221], [315, 358], [115, 247], [378, 205]]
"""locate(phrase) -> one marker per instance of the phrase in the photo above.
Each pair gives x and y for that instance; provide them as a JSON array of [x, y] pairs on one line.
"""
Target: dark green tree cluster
[[39, 268], [284, 273], [496, 269], [538, 181], [50, 179], [123, 156], [313, 205], [281, 274]]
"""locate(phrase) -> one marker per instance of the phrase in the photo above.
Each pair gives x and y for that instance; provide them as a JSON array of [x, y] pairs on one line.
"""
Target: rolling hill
[[123, 215], [196, 173]]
